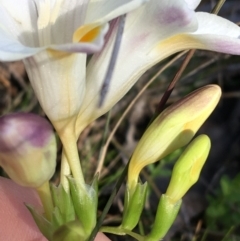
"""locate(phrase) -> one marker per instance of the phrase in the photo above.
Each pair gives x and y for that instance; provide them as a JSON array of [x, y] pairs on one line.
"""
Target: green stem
[[71, 151], [225, 238], [109, 203], [120, 231], [65, 171], [44, 193], [66, 131]]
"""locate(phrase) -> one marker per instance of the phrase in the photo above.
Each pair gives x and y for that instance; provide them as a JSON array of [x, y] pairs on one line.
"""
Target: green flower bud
[[188, 167], [27, 149], [173, 128]]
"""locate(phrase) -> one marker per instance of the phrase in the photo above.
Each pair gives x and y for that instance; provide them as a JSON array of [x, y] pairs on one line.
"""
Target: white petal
[[58, 80], [214, 33], [105, 10], [165, 18], [60, 19], [98, 14], [192, 4], [141, 49], [217, 34], [20, 20], [11, 49]]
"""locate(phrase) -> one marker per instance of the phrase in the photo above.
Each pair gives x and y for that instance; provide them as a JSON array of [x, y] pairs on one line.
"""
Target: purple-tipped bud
[[27, 148]]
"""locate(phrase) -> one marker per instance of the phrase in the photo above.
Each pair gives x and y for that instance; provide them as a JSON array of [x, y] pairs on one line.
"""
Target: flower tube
[[167, 28]]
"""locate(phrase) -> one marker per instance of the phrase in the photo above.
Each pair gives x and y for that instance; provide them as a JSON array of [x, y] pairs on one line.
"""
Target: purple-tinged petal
[[171, 26], [165, 19], [214, 33], [29, 127], [217, 34], [27, 148]]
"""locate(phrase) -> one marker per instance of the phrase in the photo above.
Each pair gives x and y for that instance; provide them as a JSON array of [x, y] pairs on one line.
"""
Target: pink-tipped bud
[[27, 148]]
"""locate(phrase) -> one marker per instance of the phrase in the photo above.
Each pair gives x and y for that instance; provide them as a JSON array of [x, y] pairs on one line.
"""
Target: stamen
[[111, 66]]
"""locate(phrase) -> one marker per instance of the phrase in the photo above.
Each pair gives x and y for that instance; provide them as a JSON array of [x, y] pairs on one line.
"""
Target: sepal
[[85, 201], [72, 231], [133, 205], [166, 214], [64, 210], [43, 224]]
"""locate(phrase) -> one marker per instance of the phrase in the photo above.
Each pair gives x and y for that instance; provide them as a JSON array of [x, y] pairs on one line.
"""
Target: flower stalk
[[45, 195]]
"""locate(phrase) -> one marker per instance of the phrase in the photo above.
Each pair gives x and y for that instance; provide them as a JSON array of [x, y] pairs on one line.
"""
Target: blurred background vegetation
[[211, 209]]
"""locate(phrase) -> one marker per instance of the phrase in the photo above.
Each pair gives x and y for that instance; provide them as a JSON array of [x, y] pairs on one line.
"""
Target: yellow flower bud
[[27, 148], [173, 128], [188, 167]]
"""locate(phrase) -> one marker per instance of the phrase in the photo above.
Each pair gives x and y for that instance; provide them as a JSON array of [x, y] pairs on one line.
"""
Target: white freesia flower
[[54, 37], [153, 32], [49, 35]]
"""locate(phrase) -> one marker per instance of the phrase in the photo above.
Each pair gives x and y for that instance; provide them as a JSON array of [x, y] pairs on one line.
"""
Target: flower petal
[[58, 80], [16, 21], [85, 46], [214, 33], [52, 24], [27, 148], [217, 34], [100, 12], [19, 18], [192, 4], [141, 34], [60, 18], [171, 27], [104, 10], [11, 49]]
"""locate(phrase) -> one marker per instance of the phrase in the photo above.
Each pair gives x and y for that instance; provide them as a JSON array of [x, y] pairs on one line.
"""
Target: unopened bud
[[188, 167], [173, 129], [27, 148]]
